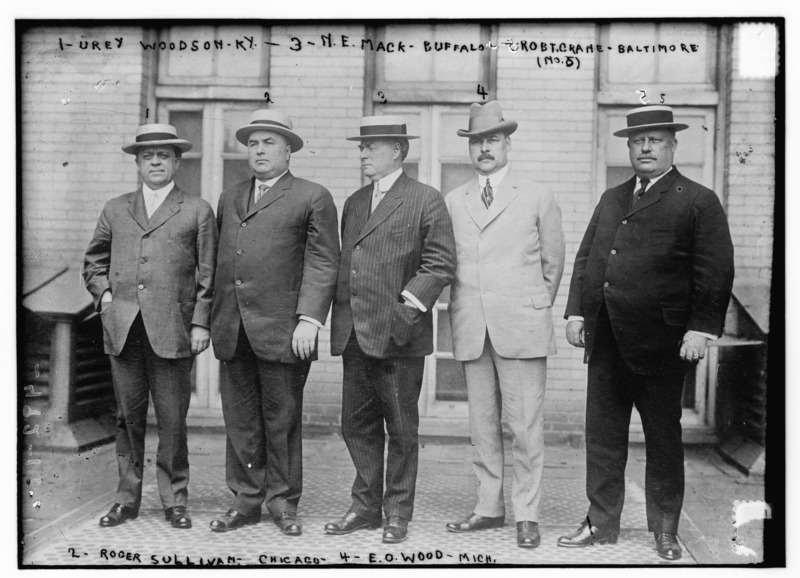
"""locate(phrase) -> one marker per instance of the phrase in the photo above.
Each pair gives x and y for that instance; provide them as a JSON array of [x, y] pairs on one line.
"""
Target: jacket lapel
[[653, 194], [507, 192], [137, 209], [274, 193], [391, 200], [171, 206], [624, 193], [473, 203], [242, 198]]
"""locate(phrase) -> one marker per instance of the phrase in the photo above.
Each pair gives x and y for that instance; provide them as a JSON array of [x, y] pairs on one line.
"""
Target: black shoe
[[177, 517], [474, 522], [588, 535], [668, 547], [232, 520], [528, 534], [118, 514], [288, 524], [350, 523], [395, 531]]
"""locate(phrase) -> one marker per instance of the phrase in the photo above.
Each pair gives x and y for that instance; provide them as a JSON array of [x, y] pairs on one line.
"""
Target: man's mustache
[[485, 156]]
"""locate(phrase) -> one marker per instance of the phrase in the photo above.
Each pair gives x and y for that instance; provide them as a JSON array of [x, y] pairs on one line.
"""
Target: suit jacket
[[162, 267], [510, 261], [661, 268], [405, 244], [277, 260]]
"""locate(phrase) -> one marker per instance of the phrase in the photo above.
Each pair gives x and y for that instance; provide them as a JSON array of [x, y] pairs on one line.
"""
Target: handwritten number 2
[[642, 96]]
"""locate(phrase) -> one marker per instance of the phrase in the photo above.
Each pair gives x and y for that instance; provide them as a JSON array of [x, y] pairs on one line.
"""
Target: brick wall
[[554, 145], [78, 106]]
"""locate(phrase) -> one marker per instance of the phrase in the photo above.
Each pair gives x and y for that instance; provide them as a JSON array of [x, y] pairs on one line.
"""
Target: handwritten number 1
[[382, 97]]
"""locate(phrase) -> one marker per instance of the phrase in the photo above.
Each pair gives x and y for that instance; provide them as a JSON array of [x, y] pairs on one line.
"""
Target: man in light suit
[[398, 255], [510, 259], [150, 268], [651, 285], [278, 257]]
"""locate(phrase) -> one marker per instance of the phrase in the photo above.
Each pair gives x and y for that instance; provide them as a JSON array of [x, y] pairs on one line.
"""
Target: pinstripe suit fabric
[[405, 244]]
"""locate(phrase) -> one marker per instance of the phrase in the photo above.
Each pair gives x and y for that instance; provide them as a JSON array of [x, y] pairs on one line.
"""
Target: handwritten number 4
[[482, 92]]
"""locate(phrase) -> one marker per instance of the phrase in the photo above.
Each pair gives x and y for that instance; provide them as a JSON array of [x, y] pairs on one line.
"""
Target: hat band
[[380, 129], [649, 117], [271, 122], [151, 136]]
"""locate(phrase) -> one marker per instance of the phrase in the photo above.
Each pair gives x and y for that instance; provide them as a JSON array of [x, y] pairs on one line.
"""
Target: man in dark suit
[[150, 268], [278, 257], [650, 286], [398, 254]]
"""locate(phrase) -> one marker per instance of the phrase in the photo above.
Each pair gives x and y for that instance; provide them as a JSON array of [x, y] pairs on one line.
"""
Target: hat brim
[[382, 136], [180, 144], [506, 127], [295, 142], [673, 125]]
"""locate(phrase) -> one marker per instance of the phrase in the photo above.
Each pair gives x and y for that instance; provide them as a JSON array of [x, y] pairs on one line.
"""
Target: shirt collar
[[494, 178], [386, 182], [652, 181], [271, 182], [165, 190]]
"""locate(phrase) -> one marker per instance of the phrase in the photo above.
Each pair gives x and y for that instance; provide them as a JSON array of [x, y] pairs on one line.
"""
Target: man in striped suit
[[398, 254]]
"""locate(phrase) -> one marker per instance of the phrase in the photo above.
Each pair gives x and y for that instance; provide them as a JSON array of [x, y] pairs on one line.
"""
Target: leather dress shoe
[[350, 522], [588, 535], [177, 517], [668, 547], [528, 534], [118, 514], [232, 520], [289, 524], [395, 531], [474, 522]]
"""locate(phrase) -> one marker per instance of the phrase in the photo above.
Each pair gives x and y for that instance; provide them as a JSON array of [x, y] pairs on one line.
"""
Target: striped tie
[[640, 191], [260, 192], [487, 196]]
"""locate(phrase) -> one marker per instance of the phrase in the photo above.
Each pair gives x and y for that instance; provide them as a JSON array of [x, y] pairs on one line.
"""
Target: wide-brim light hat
[[487, 119], [648, 117], [153, 135], [386, 126], [271, 120]]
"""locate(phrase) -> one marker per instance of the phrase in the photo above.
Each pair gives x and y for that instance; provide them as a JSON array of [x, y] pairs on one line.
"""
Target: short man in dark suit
[[278, 258], [650, 286], [150, 268], [398, 254]]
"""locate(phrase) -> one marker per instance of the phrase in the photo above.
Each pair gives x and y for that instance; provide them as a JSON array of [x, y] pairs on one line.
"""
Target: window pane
[[459, 66], [444, 339], [412, 170], [233, 119], [235, 171], [455, 174], [451, 385], [634, 67], [188, 176], [399, 66], [246, 61], [447, 64], [617, 175], [680, 66], [189, 124], [186, 62]]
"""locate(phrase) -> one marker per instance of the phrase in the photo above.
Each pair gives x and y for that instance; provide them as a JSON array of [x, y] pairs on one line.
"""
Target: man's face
[[379, 158], [157, 165], [489, 152], [268, 154], [651, 151]]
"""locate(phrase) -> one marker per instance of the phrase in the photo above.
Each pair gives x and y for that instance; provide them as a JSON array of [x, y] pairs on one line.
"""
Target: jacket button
[[358, 247], [613, 251], [144, 260], [239, 252], [244, 224], [238, 281], [354, 271], [624, 221], [605, 284], [141, 286]]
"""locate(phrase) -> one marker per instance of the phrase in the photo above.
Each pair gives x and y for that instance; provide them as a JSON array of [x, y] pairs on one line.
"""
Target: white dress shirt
[[154, 198]]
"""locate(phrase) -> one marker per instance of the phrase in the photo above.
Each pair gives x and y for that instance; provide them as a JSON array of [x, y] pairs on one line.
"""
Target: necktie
[[260, 192], [640, 191], [152, 204], [487, 196], [377, 195]]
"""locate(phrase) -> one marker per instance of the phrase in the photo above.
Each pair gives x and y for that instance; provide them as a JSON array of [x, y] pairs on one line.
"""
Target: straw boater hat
[[487, 119], [385, 127], [153, 135], [271, 120], [652, 116]]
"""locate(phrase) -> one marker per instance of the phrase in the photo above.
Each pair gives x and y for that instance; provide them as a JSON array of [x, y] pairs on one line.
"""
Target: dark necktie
[[260, 192], [487, 196], [640, 191]]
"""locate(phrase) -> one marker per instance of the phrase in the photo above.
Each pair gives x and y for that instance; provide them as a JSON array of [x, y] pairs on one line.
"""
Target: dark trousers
[[137, 373], [378, 392], [262, 403], [612, 391]]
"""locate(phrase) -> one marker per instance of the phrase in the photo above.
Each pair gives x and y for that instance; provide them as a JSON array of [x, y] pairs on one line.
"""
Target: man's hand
[[693, 347], [304, 339], [575, 333], [200, 339]]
